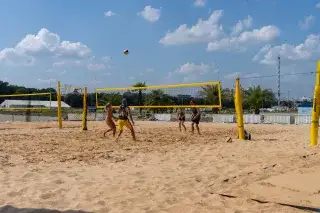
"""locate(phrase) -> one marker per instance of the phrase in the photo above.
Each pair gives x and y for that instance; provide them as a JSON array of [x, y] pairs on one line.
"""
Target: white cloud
[[63, 72], [307, 22], [147, 71], [242, 25], [169, 76], [66, 63], [190, 71], [234, 75], [10, 56], [109, 13], [96, 66], [203, 31], [256, 36], [95, 82], [252, 75], [51, 80], [44, 43], [211, 32], [106, 59], [4, 79], [150, 14], [192, 68], [301, 52], [132, 78], [199, 3], [318, 5]]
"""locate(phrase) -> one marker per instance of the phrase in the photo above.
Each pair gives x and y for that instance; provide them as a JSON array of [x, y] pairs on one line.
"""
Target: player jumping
[[123, 120], [109, 120]]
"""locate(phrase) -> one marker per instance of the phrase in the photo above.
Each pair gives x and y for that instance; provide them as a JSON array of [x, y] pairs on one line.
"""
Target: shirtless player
[[182, 119], [109, 120]]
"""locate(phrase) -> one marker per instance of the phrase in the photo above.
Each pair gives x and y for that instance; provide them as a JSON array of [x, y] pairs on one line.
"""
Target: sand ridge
[[164, 171]]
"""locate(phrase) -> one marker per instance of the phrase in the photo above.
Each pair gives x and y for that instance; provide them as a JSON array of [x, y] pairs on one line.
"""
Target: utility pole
[[279, 92]]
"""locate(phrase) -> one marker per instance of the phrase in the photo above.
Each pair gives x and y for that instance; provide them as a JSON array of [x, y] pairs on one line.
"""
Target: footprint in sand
[[28, 175], [47, 195], [58, 181], [101, 203], [183, 165], [13, 194], [141, 181], [171, 189]]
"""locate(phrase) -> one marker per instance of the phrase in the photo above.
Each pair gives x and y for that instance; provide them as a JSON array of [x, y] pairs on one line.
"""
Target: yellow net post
[[84, 115], [59, 106], [315, 110], [239, 110]]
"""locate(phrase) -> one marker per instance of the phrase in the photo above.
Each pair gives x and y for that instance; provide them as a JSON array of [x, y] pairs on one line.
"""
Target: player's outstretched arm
[[130, 115]]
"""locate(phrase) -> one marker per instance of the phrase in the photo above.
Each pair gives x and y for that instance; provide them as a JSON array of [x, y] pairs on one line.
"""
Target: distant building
[[304, 109], [33, 104]]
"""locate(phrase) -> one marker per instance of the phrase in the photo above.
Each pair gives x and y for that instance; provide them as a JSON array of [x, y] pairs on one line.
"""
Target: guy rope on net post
[[85, 108], [59, 106], [315, 110], [239, 110]]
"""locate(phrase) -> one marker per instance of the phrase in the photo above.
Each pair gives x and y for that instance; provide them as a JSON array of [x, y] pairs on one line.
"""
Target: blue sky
[[82, 42]]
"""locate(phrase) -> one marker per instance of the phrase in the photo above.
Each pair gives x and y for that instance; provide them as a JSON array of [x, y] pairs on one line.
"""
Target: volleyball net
[[66, 103], [205, 95], [74, 103], [27, 101], [161, 102]]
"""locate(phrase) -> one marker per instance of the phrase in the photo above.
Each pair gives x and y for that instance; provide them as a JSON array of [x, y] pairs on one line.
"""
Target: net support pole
[[315, 110], [239, 110], [59, 106], [85, 108], [97, 102]]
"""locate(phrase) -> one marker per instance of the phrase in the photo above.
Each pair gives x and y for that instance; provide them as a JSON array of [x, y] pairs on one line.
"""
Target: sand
[[164, 171]]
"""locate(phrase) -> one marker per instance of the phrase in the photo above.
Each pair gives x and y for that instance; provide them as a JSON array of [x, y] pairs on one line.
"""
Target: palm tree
[[140, 84], [227, 98], [158, 98], [255, 98], [210, 93]]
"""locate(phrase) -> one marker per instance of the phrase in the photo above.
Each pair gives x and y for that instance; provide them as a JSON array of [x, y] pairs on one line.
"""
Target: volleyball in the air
[[126, 52]]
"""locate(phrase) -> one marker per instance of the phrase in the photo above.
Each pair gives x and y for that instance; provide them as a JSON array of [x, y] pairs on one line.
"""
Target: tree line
[[254, 97]]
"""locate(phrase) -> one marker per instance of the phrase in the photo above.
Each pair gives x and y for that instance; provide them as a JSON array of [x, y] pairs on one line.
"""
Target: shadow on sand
[[11, 209], [304, 208]]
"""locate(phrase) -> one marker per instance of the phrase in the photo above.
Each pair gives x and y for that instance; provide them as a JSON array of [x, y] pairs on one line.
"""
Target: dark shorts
[[196, 121], [182, 119]]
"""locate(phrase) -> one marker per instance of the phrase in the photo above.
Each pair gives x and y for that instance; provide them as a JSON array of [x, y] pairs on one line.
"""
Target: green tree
[[140, 97], [158, 98], [227, 98], [114, 98], [8, 89], [210, 95], [255, 98]]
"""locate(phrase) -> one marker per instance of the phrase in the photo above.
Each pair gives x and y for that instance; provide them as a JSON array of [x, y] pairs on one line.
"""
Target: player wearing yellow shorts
[[123, 120]]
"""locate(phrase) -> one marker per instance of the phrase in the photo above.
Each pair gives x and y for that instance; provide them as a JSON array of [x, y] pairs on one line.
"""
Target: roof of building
[[305, 105], [34, 103]]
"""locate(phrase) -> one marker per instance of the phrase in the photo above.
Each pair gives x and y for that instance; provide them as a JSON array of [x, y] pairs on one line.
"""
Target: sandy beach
[[45, 168]]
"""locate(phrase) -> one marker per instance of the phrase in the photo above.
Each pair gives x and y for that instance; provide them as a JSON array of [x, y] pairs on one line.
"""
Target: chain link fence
[[100, 115], [92, 115]]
